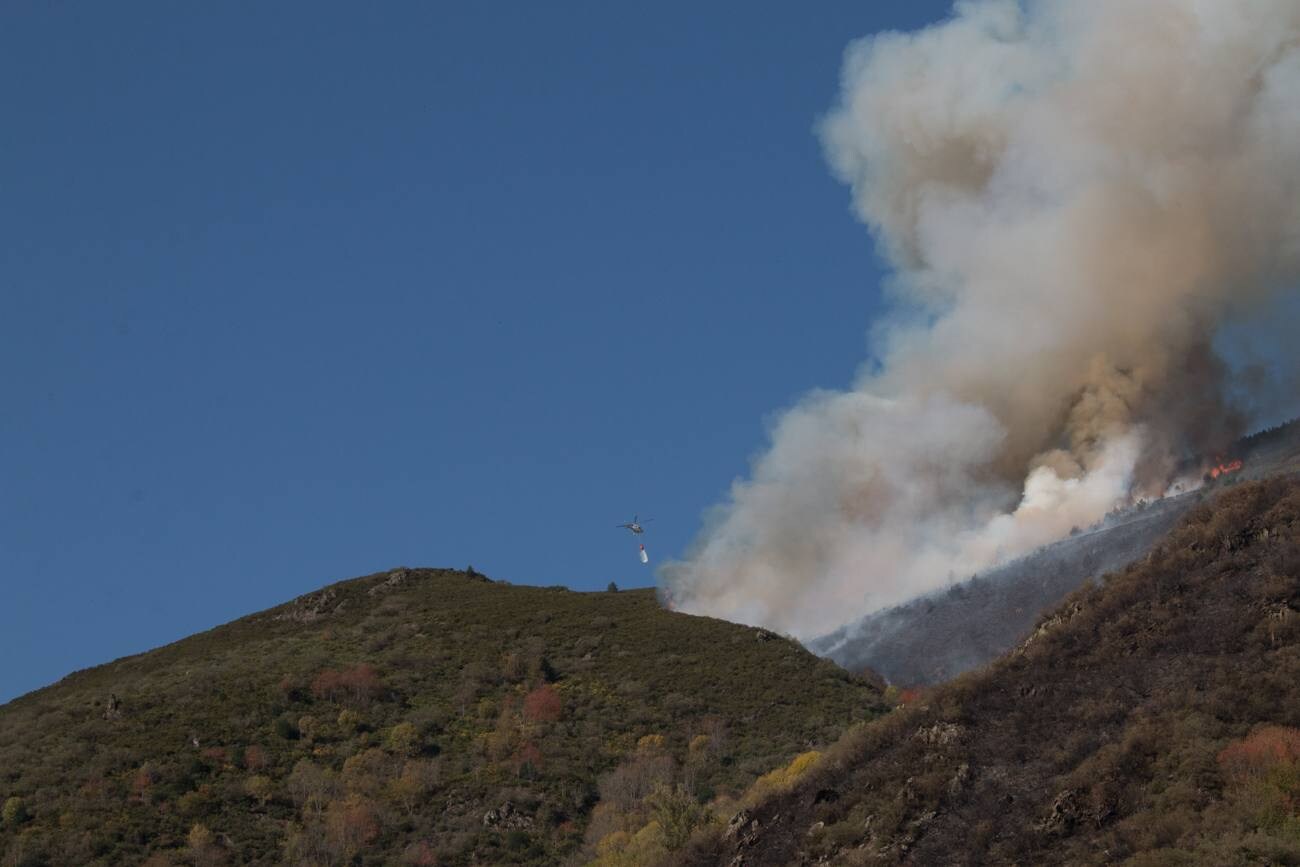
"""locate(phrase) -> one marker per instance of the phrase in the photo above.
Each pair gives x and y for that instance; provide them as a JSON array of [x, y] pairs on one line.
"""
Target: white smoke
[[1076, 196]]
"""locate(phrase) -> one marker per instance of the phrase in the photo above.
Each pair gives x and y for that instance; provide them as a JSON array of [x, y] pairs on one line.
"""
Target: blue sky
[[291, 293]]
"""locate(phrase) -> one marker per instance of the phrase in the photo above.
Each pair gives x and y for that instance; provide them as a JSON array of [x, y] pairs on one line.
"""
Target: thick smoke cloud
[[1076, 198]]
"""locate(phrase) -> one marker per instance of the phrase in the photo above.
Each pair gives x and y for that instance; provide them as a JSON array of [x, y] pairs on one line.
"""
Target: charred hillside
[[1150, 717], [938, 636], [416, 716]]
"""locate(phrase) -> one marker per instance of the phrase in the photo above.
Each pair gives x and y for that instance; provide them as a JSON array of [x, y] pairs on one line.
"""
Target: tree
[[254, 758], [310, 787], [259, 788], [351, 825], [417, 779], [543, 704], [203, 846], [612, 588], [404, 739], [14, 812], [677, 813]]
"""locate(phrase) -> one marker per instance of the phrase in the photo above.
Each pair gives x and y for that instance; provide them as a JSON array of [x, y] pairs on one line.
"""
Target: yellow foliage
[[783, 778], [200, 836], [612, 844], [650, 743], [699, 743], [642, 849]]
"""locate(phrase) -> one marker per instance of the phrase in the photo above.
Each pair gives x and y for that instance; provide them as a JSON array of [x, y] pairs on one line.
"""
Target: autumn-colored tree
[[367, 772], [203, 848], [142, 783], [528, 760], [358, 685], [1264, 749], [543, 704], [254, 758], [350, 825]]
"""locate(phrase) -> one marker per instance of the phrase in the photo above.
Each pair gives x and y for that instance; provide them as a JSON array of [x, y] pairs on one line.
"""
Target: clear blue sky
[[291, 293]]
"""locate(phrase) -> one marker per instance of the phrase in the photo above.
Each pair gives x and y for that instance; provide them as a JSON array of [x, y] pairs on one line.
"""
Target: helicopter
[[634, 526]]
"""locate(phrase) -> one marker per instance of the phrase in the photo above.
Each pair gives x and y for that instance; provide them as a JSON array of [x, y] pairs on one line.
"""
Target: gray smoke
[[1076, 198]]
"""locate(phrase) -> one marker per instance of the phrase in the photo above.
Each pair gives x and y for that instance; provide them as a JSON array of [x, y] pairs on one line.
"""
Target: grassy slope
[[1100, 740], [456, 655]]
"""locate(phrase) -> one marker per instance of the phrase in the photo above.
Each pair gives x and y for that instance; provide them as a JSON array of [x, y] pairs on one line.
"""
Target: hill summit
[[413, 716]]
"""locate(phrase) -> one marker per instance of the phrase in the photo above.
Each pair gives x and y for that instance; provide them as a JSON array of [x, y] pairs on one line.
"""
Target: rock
[[114, 708], [396, 578], [1063, 816], [743, 828], [959, 779], [507, 817], [940, 734], [309, 608]]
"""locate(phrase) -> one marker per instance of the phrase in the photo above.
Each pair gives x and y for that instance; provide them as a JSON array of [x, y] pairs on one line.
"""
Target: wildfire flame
[[1224, 468]]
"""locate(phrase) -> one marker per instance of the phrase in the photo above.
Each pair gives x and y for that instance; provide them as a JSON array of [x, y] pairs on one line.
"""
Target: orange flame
[[1225, 468]]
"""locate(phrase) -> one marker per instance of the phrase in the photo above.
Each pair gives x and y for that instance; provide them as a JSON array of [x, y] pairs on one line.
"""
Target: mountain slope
[[1149, 720], [413, 716], [937, 636]]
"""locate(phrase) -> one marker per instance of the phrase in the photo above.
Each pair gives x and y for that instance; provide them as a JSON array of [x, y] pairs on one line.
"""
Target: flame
[[1225, 468]]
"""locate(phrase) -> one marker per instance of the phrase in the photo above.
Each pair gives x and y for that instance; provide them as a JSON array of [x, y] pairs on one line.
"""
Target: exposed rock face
[[507, 817], [113, 710], [310, 608], [395, 579]]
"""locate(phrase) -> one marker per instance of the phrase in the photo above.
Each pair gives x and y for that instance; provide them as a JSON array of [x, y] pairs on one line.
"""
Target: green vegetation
[[1153, 720], [414, 717]]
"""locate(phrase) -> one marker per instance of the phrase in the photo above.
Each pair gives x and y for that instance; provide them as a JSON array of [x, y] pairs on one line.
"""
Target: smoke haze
[[1076, 198]]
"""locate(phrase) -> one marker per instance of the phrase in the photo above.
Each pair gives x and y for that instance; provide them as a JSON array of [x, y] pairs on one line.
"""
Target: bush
[[14, 812]]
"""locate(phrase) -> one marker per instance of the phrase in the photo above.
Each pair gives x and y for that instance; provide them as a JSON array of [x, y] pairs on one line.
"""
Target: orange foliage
[[1259, 752], [911, 695], [360, 684], [542, 705], [255, 758]]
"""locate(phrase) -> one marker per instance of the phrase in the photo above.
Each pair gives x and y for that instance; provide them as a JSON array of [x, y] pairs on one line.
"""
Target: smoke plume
[[1075, 198]]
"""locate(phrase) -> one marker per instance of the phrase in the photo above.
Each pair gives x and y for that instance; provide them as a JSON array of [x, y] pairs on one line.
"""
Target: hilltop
[[1150, 719], [939, 635], [413, 716]]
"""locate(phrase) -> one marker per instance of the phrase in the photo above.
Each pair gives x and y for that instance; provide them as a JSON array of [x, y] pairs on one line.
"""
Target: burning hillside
[[1077, 199]]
